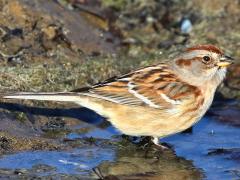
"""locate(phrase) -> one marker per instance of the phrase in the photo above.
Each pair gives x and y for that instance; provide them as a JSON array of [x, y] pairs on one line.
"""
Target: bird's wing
[[155, 86]]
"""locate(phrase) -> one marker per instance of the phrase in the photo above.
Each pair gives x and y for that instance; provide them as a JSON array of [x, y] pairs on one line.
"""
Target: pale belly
[[146, 121], [150, 122]]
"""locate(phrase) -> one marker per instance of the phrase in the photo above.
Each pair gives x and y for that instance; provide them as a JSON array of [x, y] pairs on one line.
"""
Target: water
[[79, 161], [207, 135]]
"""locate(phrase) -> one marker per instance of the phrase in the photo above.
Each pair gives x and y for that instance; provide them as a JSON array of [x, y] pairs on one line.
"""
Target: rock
[[229, 115], [186, 26], [50, 32], [132, 163]]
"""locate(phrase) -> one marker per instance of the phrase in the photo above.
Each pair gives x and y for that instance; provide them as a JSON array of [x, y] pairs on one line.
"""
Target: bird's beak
[[225, 61]]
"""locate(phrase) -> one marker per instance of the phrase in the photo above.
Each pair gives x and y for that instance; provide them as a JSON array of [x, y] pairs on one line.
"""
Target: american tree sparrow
[[154, 101]]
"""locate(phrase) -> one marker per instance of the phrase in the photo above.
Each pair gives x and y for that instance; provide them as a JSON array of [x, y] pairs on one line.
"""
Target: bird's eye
[[206, 59]]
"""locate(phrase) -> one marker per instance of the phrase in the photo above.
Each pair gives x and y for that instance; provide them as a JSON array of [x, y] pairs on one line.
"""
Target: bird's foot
[[157, 144], [152, 142], [146, 142], [152, 147]]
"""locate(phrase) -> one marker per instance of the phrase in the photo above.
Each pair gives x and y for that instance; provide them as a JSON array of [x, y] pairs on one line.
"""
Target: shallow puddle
[[210, 136], [79, 161], [213, 148]]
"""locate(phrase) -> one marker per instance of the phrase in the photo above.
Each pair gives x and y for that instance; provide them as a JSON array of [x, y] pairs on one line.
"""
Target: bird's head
[[202, 63]]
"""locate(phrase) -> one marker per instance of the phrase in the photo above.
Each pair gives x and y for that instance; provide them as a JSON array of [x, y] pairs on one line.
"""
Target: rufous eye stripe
[[187, 62]]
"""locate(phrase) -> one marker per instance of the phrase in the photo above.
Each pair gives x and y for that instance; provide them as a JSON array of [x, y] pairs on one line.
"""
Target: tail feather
[[82, 99], [42, 96]]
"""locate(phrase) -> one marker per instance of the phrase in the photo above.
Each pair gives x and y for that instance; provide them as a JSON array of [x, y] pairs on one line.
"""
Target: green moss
[[21, 116], [65, 77], [53, 134], [118, 4], [10, 143]]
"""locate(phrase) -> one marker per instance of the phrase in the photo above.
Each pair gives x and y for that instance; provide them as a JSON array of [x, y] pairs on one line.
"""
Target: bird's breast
[[193, 110]]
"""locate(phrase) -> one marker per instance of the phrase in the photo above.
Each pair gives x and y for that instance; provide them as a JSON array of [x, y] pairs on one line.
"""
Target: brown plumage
[[207, 47], [154, 101]]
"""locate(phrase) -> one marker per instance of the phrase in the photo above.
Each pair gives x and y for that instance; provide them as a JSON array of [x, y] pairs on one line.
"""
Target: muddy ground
[[62, 45]]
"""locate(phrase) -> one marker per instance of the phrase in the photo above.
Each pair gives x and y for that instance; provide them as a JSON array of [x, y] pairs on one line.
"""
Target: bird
[[156, 101]]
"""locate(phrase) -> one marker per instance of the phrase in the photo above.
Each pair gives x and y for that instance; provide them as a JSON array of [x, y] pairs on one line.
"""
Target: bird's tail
[[44, 96], [82, 99]]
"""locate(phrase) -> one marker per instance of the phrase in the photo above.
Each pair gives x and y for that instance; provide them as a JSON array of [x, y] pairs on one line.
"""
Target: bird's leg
[[148, 141], [150, 144], [153, 142], [156, 143]]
